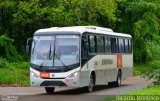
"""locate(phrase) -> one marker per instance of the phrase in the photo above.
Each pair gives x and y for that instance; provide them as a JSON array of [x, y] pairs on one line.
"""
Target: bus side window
[[100, 44], [114, 45], [92, 45], [121, 45], [108, 44], [130, 46], [126, 45], [117, 46], [84, 48]]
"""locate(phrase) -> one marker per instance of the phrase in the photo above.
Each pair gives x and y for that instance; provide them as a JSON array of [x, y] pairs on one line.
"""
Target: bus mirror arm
[[29, 41]]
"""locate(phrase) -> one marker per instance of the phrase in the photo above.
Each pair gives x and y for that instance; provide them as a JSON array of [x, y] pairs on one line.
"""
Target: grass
[[140, 69], [15, 73], [149, 91]]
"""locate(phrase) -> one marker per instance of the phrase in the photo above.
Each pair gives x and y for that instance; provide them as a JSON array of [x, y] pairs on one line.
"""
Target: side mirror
[[27, 49], [29, 41]]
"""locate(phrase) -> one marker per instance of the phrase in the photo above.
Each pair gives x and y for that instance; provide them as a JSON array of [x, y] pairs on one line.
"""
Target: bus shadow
[[77, 91]]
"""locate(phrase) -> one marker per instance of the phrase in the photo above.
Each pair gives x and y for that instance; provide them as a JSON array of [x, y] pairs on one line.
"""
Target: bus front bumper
[[40, 82]]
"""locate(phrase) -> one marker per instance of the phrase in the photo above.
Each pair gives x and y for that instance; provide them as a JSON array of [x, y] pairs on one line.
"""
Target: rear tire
[[116, 83], [49, 90]]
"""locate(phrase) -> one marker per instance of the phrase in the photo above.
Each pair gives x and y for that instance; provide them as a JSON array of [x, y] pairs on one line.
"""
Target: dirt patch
[[26, 73]]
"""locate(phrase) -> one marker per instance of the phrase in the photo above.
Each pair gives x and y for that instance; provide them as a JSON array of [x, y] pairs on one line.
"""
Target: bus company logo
[[52, 75]]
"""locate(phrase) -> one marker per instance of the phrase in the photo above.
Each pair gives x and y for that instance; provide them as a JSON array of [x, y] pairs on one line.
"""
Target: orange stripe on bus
[[119, 61]]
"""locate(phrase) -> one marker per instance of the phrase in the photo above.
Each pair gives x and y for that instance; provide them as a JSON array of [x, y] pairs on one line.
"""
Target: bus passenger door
[[84, 62]]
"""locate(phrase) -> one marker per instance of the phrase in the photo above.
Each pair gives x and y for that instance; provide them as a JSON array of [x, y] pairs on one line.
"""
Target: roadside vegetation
[[14, 71], [14, 74], [148, 71], [151, 90], [144, 68]]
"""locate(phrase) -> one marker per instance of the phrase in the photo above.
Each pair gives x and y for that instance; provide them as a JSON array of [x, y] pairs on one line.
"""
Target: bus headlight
[[34, 74], [73, 74]]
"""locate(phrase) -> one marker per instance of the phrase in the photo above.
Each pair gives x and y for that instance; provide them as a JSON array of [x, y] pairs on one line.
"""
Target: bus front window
[[42, 50], [60, 51], [66, 50]]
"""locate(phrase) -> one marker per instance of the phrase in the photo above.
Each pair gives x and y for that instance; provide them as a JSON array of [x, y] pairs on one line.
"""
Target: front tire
[[49, 90], [91, 84]]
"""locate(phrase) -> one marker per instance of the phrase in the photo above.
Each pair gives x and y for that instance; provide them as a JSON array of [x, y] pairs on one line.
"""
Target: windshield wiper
[[33, 47], [61, 61], [49, 56], [54, 55]]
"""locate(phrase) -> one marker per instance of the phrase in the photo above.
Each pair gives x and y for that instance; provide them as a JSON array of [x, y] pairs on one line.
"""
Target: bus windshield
[[54, 51]]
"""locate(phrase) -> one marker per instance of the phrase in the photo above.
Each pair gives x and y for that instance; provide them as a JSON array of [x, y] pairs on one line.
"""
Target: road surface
[[68, 94]]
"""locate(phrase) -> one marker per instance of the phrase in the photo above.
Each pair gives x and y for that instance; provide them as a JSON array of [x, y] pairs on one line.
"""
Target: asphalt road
[[68, 94]]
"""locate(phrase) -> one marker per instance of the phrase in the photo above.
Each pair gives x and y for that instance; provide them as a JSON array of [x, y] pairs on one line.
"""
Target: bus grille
[[53, 83]]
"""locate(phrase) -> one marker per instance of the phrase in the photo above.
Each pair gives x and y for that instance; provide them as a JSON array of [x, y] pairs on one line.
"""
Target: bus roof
[[81, 29]]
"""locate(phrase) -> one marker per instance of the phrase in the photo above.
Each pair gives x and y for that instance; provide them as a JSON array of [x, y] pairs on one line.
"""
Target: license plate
[[44, 75]]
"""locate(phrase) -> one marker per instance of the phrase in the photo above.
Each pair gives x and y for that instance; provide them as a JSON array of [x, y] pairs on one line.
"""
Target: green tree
[[7, 50], [140, 19], [21, 18]]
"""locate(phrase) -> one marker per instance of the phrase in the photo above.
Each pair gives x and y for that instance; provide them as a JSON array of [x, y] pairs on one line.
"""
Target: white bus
[[79, 56]]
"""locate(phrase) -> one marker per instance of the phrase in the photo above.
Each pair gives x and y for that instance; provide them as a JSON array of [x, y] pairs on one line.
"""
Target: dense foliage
[[8, 51], [140, 18]]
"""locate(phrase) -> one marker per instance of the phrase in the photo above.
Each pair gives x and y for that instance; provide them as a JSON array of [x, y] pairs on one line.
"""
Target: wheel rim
[[91, 85], [119, 79]]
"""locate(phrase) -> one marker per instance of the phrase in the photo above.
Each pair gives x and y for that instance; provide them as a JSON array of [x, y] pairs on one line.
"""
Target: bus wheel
[[119, 77], [49, 90], [116, 83], [91, 84]]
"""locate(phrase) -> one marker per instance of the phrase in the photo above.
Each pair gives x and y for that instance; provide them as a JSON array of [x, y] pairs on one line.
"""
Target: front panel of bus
[[55, 59]]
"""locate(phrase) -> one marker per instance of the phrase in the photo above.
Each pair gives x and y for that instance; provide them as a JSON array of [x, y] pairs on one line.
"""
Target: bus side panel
[[84, 76], [105, 67], [127, 66]]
